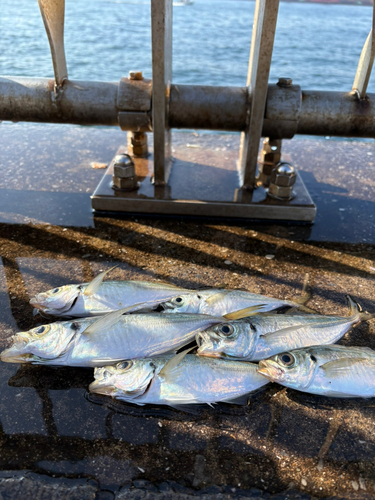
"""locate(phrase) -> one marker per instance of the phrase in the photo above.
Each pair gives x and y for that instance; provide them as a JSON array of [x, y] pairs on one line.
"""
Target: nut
[[285, 82], [135, 75], [123, 160], [282, 180], [128, 183], [140, 151], [124, 172], [283, 175], [137, 139]]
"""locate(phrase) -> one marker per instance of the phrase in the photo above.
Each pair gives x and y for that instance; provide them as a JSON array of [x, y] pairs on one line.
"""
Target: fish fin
[[94, 285], [212, 299], [305, 296], [339, 367], [356, 310], [244, 313], [335, 394], [106, 361], [239, 400], [106, 321], [171, 369]]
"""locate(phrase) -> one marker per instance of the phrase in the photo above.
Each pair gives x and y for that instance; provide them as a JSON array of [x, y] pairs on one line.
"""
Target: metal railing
[[135, 104]]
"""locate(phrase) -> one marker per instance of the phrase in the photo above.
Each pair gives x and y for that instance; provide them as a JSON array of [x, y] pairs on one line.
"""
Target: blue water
[[317, 45]]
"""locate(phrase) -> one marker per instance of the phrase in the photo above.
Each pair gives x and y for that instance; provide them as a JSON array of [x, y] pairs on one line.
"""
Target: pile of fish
[[132, 333]]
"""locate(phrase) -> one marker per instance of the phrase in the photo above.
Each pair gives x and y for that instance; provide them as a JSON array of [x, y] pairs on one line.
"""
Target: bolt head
[[285, 82], [283, 175], [135, 75]]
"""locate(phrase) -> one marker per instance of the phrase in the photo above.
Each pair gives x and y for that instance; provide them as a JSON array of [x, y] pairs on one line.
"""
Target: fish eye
[[41, 330], [252, 327], [286, 359], [55, 290], [226, 330], [125, 365], [178, 301], [313, 358]]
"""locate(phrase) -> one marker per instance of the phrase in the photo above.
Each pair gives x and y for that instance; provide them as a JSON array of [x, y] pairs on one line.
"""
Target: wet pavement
[[57, 440]]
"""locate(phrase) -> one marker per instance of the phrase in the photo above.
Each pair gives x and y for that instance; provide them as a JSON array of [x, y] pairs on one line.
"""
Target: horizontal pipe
[[81, 103], [209, 108], [336, 114], [199, 107]]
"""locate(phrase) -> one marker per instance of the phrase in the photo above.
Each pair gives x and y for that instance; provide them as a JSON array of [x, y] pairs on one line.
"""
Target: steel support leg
[[366, 62], [53, 12], [265, 18], [161, 29]]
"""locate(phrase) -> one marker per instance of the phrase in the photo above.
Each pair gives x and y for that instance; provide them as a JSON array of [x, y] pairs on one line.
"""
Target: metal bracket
[[161, 30], [265, 18], [53, 13], [365, 63], [204, 185]]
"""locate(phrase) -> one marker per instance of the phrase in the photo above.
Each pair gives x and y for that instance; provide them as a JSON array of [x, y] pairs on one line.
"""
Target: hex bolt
[[124, 173], [285, 82], [270, 156], [135, 75], [282, 180]]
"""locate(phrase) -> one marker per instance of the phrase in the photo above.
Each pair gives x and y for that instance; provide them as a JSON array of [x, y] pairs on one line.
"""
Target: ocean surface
[[317, 45]]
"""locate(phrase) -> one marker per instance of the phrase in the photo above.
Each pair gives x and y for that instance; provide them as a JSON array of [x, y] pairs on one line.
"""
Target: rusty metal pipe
[[209, 108], [336, 114], [82, 103], [199, 107]]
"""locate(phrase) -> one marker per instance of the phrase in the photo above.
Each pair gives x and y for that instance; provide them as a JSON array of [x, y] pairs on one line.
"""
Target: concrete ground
[[58, 441]]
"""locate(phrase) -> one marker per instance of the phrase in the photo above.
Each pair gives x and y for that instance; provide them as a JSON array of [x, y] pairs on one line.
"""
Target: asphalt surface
[[58, 441]]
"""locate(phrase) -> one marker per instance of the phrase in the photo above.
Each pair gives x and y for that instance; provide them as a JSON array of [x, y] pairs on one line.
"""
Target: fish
[[334, 371], [184, 379], [101, 297], [111, 338], [262, 336], [219, 302]]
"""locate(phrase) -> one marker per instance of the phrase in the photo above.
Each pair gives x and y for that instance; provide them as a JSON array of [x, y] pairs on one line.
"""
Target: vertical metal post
[[265, 18], [366, 62], [161, 28], [53, 13]]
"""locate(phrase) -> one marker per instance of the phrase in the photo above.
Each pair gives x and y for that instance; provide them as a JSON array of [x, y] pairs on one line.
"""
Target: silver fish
[[181, 380], [101, 297], [220, 302], [262, 336], [335, 371], [98, 342]]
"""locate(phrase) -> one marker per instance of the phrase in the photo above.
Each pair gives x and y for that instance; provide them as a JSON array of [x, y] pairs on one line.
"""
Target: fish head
[[293, 369], [184, 303], [234, 339], [43, 342], [57, 300], [129, 378]]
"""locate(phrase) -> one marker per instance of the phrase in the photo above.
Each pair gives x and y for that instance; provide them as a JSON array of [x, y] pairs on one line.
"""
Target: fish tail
[[355, 310], [305, 296]]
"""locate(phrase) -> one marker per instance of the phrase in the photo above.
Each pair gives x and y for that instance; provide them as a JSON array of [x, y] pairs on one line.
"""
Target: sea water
[[317, 45]]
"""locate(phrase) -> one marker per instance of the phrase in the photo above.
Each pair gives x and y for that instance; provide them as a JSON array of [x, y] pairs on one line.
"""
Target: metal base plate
[[207, 184]]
